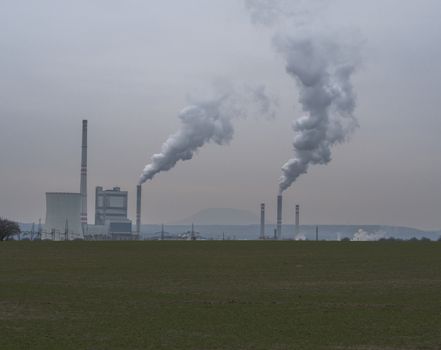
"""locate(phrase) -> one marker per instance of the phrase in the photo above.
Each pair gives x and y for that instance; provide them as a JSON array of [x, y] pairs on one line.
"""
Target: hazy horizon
[[130, 67]]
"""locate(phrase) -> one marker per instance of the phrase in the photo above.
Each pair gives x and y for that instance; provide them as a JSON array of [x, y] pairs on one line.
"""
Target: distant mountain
[[220, 216]]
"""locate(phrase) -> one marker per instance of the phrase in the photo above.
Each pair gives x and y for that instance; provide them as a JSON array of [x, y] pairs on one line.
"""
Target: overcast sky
[[129, 67]]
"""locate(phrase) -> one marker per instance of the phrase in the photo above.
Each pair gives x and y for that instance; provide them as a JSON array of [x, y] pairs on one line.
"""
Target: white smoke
[[300, 237], [206, 121], [362, 235], [322, 65]]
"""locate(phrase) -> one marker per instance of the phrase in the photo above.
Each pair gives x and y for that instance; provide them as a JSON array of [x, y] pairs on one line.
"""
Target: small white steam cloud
[[300, 237], [207, 121], [363, 236], [322, 65]]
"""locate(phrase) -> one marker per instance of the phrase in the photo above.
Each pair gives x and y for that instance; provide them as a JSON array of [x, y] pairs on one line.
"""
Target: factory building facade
[[111, 213], [110, 205]]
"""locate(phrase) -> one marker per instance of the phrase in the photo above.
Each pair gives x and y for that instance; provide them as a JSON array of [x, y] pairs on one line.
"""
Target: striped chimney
[[83, 181], [138, 209]]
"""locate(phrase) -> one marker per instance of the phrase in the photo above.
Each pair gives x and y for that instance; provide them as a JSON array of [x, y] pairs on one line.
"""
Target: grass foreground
[[208, 295]]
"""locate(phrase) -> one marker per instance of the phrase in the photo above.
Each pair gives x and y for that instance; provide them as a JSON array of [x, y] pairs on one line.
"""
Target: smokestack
[[279, 216], [138, 209], [297, 229], [262, 221], [83, 180]]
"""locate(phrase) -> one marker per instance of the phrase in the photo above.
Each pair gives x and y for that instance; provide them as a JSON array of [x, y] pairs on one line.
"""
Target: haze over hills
[[220, 216]]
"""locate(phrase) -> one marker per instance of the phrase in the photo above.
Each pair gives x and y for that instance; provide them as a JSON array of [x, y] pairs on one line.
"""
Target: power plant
[[67, 218], [66, 213]]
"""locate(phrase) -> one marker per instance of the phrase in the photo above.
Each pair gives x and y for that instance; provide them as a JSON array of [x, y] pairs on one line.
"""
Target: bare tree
[[8, 229]]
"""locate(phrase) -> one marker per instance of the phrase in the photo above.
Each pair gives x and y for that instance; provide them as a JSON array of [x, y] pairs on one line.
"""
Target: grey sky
[[128, 67]]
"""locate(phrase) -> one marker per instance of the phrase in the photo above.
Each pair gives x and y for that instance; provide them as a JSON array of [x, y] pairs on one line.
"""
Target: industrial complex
[[67, 219], [66, 213]]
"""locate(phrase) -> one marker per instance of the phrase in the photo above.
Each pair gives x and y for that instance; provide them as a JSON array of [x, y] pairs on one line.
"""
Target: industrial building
[[66, 213], [110, 205], [111, 213], [63, 212]]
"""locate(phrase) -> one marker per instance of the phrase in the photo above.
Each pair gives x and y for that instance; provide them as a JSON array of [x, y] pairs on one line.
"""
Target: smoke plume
[[322, 65], [206, 121]]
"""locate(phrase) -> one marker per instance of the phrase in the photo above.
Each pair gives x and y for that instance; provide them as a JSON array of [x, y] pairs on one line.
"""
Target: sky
[[129, 67]]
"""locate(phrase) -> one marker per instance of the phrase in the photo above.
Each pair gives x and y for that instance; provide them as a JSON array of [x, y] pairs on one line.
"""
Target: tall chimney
[[297, 229], [83, 181], [262, 221], [279, 216], [138, 209]]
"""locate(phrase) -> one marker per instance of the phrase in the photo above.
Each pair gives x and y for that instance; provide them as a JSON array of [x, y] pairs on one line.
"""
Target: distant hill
[[220, 216]]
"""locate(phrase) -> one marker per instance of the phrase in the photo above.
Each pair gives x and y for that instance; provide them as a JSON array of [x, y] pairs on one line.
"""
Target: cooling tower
[[63, 209], [297, 227], [279, 216], [138, 209], [262, 221], [83, 181]]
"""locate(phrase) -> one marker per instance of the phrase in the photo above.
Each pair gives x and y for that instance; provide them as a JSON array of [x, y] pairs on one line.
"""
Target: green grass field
[[220, 295]]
